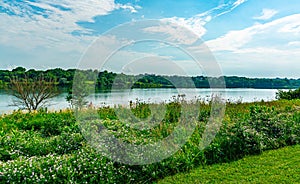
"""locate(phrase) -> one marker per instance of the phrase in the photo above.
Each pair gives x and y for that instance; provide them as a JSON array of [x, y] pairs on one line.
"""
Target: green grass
[[276, 166]]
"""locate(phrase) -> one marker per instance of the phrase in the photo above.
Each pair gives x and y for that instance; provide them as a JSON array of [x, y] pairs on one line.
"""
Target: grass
[[276, 166], [50, 147]]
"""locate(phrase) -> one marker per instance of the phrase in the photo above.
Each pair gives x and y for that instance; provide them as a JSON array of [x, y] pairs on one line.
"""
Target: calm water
[[153, 95]]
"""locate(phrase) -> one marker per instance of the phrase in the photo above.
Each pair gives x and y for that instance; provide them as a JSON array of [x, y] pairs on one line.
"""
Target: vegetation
[[255, 169], [77, 96], [48, 147], [30, 94], [288, 95], [106, 80]]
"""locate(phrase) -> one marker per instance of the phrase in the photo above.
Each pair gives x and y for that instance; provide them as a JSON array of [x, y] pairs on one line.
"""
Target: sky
[[250, 38]]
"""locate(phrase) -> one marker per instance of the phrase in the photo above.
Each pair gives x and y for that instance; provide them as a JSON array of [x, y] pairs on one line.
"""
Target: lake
[[152, 95]]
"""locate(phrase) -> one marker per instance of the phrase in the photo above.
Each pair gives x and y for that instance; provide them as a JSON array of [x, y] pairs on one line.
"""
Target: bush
[[288, 95], [30, 143], [48, 124]]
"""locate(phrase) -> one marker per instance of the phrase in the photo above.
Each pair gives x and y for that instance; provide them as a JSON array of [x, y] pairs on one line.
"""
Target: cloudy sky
[[250, 38]]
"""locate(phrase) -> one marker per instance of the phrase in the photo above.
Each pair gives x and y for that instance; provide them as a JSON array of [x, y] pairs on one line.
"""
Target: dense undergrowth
[[48, 147]]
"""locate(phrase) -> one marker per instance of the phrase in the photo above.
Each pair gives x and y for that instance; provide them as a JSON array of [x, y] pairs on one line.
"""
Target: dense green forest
[[105, 80]]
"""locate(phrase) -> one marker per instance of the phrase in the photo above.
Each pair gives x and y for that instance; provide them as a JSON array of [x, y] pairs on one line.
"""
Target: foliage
[[49, 148], [288, 95], [81, 89], [105, 80]]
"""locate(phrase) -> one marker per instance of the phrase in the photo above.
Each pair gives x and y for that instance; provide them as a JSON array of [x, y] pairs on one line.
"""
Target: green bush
[[288, 95], [48, 124], [30, 143], [264, 129]]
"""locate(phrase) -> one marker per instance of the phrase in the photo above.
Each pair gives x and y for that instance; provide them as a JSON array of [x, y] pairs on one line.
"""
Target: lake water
[[152, 95]]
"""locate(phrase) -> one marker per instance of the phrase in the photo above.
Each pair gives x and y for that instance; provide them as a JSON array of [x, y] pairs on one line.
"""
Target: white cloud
[[266, 14], [41, 34], [285, 30], [130, 8], [231, 41], [53, 27], [197, 23], [238, 2], [294, 43], [229, 7], [270, 49], [194, 24], [86, 10], [291, 27], [50, 25], [263, 63]]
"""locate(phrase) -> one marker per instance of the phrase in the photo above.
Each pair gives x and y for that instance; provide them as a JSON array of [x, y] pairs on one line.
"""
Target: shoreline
[[53, 110]]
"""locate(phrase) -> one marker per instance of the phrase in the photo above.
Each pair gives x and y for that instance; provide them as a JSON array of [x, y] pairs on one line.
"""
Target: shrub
[[30, 143], [288, 95]]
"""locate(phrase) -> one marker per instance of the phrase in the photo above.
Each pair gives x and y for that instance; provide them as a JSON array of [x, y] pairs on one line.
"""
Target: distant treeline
[[106, 80]]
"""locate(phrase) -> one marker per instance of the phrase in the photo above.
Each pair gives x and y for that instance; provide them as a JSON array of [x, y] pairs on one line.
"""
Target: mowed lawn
[[276, 166]]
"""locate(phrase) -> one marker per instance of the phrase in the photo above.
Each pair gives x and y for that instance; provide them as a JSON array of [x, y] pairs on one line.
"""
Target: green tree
[[81, 89]]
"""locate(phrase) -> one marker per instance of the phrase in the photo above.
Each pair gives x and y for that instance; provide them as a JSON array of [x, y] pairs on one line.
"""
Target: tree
[[81, 89], [19, 69], [31, 94]]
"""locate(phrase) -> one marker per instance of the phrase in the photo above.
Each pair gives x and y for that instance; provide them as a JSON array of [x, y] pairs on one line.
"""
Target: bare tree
[[31, 94]]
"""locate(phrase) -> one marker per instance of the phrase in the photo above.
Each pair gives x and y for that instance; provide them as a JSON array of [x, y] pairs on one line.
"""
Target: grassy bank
[[49, 147], [276, 166]]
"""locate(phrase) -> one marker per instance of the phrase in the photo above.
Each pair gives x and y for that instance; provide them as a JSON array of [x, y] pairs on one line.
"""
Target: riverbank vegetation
[[48, 147], [288, 95]]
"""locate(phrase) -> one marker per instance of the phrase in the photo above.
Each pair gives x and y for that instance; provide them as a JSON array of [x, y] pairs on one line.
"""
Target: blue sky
[[247, 37]]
